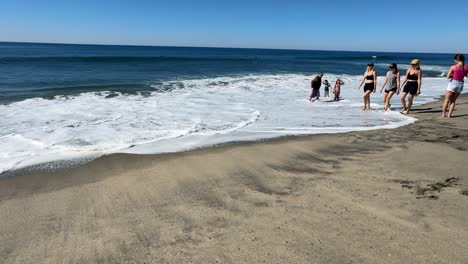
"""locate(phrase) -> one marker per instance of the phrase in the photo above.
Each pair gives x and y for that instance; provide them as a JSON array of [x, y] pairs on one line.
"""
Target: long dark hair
[[460, 57]]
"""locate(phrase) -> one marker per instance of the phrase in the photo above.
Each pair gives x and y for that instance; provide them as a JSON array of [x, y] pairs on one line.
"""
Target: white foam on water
[[196, 113]]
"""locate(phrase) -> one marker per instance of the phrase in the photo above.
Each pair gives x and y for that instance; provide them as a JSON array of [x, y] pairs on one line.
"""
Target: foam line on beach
[[208, 111]]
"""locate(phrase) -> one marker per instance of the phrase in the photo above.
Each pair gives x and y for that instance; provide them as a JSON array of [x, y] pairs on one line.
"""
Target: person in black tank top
[[413, 77], [370, 84], [411, 86]]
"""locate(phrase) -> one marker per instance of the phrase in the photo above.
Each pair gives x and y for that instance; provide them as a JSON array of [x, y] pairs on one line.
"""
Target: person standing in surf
[[411, 85], [337, 89], [326, 88], [456, 74], [370, 86], [392, 83], [315, 85]]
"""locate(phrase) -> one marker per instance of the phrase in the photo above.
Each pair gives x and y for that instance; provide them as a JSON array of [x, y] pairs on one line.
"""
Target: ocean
[[63, 103]]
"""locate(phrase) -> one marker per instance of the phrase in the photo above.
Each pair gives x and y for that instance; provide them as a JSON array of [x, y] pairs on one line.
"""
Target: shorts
[[391, 90], [327, 94], [368, 87], [455, 86], [411, 88], [315, 93]]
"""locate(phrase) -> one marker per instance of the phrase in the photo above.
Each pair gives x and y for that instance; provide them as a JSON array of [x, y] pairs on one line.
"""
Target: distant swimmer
[[392, 83], [370, 86], [315, 85], [326, 88], [411, 85], [337, 89], [456, 74]]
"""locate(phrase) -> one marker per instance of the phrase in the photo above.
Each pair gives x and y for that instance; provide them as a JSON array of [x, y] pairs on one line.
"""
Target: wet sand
[[383, 196]]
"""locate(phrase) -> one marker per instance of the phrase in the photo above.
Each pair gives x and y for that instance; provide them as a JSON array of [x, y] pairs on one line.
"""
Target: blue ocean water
[[67, 102], [43, 70]]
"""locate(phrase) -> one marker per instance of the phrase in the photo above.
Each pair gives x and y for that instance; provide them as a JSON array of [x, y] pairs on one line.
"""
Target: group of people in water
[[411, 84], [317, 83]]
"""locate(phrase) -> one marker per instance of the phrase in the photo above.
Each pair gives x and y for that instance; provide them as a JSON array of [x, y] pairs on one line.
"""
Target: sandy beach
[[382, 196]]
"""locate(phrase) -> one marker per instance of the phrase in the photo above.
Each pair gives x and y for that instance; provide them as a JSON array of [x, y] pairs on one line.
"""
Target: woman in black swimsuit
[[412, 86], [370, 79]]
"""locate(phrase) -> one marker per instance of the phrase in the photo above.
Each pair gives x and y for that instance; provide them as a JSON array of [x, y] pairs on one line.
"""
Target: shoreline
[[79, 140], [390, 195], [55, 166]]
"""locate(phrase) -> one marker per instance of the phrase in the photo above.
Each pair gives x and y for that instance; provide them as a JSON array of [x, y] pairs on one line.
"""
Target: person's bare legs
[[366, 98], [403, 102], [368, 101], [452, 104], [387, 100], [410, 103], [448, 99]]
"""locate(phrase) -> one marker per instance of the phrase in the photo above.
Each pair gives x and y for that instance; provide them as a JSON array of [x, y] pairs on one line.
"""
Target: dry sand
[[384, 196]]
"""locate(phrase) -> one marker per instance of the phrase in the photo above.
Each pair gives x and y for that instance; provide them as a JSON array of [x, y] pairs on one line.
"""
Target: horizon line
[[216, 47]]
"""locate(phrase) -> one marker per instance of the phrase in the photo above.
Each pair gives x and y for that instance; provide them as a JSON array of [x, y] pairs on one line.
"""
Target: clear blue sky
[[426, 26]]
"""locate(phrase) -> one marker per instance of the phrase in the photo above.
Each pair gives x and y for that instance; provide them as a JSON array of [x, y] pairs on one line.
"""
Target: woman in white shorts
[[456, 74]]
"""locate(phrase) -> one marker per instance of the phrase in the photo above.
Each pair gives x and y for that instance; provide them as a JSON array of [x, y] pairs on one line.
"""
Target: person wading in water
[[315, 85]]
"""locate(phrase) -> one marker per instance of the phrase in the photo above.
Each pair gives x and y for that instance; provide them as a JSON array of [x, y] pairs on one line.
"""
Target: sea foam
[[191, 114]]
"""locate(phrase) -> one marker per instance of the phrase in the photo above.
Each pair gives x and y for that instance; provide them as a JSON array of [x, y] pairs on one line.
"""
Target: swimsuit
[[327, 90], [411, 87], [413, 77], [369, 86], [337, 91]]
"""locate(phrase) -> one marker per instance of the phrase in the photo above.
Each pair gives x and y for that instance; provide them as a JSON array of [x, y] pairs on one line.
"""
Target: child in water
[[337, 89], [327, 88]]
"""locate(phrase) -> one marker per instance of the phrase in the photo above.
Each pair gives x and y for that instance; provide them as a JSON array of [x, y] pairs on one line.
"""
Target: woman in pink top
[[456, 75]]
